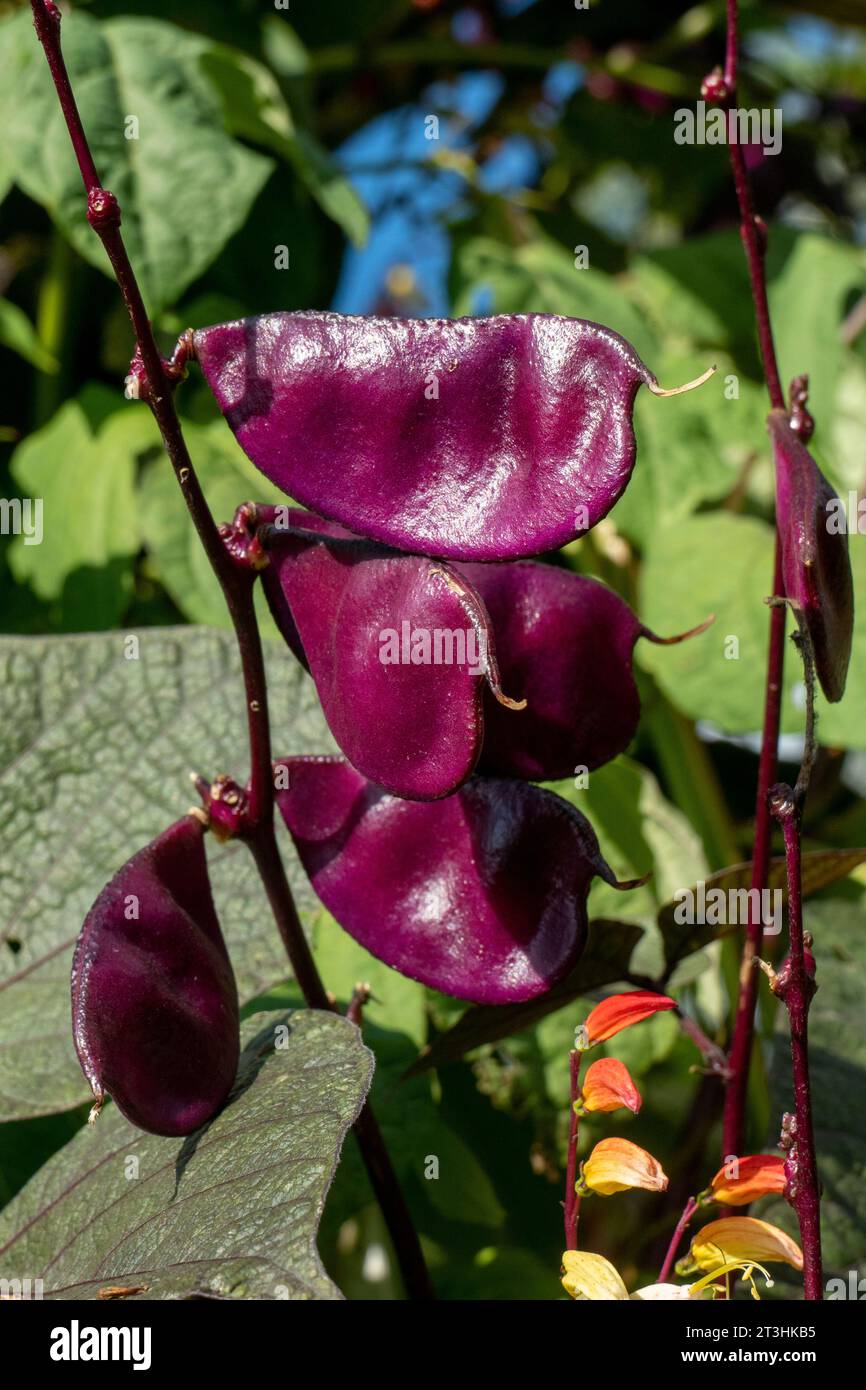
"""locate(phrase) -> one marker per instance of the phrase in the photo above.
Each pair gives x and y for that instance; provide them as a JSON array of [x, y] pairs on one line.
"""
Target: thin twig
[[753, 233], [795, 986], [572, 1199], [688, 1212], [104, 215]]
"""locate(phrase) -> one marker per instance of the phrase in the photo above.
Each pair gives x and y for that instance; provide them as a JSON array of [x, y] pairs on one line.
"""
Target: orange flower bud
[[608, 1086], [743, 1180], [745, 1239], [620, 1011], [616, 1164]]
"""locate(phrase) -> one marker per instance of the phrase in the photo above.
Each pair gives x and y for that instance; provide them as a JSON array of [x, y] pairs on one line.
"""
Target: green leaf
[[722, 563], [95, 749], [228, 478], [714, 563], [694, 448], [807, 303], [254, 108], [184, 186], [820, 869], [837, 1063], [230, 1213], [606, 958], [640, 833], [415, 1132], [18, 334], [541, 277], [81, 468]]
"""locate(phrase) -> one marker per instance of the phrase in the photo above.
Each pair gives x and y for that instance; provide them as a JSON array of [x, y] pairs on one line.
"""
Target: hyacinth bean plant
[[412, 511]]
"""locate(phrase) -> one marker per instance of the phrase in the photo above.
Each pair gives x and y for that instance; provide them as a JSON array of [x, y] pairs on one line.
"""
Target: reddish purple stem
[[754, 241], [689, 1210], [805, 1191], [572, 1200], [103, 214]]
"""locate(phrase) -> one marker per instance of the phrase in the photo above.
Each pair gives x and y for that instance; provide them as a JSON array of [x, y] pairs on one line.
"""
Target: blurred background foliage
[[427, 157]]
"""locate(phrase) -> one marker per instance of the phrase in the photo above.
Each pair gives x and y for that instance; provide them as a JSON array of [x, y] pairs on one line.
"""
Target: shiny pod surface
[[565, 643], [154, 1002], [475, 439], [815, 564], [400, 651], [481, 895]]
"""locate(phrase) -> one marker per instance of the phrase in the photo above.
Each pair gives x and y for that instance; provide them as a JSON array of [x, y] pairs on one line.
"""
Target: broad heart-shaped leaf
[[255, 109], [183, 185], [816, 569], [401, 652], [564, 643], [473, 439], [89, 518], [820, 868], [154, 1000], [97, 736], [481, 895], [231, 1212]]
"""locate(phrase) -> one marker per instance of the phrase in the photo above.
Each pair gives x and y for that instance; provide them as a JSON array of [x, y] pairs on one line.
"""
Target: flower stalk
[[572, 1197], [155, 380]]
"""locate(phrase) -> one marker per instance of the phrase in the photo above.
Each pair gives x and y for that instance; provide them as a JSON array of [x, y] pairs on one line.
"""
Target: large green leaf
[[722, 563], [694, 448], [228, 478], [185, 187], [18, 334], [541, 277], [230, 1212], [255, 109], [81, 466], [95, 749], [808, 301]]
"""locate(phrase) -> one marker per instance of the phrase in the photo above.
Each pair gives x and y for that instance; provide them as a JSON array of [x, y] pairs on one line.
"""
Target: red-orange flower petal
[[620, 1011], [607, 1086], [616, 1164], [743, 1180]]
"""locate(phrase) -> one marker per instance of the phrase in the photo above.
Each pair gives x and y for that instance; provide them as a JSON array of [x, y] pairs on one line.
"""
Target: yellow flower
[[616, 1164], [608, 1086], [591, 1276], [743, 1239]]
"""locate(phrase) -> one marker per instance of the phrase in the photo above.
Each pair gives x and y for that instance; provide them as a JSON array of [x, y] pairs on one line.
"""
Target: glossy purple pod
[[400, 649], [154, 1001], [473, 439], [566, 643], [816, 568], [481, 895]]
